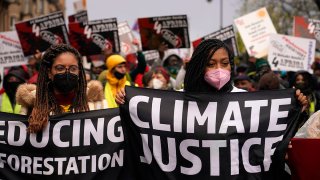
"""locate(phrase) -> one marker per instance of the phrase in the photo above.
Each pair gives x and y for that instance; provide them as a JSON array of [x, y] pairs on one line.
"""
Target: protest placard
[[225, 34], [126, 38], [172, 30], [307, 28], [10, 50], [42, 32], [93, 37], [255, 29], [291, 53], [81, 16]]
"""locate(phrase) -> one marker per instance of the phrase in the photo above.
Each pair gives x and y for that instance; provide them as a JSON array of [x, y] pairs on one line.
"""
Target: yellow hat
[[114, 60]]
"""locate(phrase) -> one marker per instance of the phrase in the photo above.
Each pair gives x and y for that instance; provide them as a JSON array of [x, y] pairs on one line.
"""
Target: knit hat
[[164, 72], [261, 63], [269, 81], [114, 60]]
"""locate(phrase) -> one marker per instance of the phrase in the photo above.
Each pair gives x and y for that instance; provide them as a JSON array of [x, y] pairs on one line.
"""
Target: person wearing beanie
[[11, 82], [159, 78], [116, 78]]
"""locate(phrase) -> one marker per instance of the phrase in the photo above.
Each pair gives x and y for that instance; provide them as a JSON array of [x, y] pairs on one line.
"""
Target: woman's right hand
[[120, 97]]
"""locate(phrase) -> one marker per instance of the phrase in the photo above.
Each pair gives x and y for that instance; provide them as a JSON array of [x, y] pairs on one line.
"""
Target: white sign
[[10, 50], [291, 53], [255, 29]]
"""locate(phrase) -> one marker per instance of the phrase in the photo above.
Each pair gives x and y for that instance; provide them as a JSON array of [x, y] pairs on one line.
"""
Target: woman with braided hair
[[61, 87], [210, 68]]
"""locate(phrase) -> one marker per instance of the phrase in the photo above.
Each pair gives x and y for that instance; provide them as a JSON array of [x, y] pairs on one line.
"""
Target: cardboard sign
[[255, 29], [81, 16], [172, 30], [225, 34], [10, 50], [126, 37], [93, 37], [42, 32], [291, 53], [307, 28], [151, 56]]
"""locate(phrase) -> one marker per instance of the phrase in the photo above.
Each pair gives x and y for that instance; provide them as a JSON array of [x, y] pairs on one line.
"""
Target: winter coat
[[26, 95]]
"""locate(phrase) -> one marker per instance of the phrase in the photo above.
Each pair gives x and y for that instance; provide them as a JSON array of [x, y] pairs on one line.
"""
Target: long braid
[[45, 102], [194, 78]]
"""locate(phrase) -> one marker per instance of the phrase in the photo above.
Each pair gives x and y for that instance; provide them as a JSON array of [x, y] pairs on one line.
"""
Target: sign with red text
[[255, 29], [10, 50], [291, 53]]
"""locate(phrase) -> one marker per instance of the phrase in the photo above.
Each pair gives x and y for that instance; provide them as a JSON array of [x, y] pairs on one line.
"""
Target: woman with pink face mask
[[210, 68]]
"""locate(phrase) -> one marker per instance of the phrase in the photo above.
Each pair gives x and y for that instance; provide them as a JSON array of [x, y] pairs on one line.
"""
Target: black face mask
[[306, 90], [65, 82], [118, 75]]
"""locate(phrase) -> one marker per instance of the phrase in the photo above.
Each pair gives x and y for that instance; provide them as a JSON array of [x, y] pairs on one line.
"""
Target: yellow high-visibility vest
[[109, 96], [6, 105]]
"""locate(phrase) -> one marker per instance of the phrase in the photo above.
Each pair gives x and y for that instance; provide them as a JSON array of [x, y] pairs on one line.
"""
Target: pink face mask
[[217, 77]]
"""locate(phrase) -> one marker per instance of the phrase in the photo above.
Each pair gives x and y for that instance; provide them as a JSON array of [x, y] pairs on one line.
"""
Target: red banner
[[304, 159]]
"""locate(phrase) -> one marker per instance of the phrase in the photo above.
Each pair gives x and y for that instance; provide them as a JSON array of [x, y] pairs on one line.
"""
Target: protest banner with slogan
[[307, 28], [73, 146], [10, 50], [126, 37], [93, 37], [304, 158], [42, 32], [176, 135], [255, 29], [226, 35], [81, 16], [172, 30], [291, 53]]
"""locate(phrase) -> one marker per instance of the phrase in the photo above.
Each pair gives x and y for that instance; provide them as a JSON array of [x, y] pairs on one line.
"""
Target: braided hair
[[195, 70], [45, 102]]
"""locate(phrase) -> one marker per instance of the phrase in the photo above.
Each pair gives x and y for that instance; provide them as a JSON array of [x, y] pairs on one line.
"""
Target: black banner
[[42, 32], [93, 37], [226, 35], [175, 135], [172, 30], [73, 146]]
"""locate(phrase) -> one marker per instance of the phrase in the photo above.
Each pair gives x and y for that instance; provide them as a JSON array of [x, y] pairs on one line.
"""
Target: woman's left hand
[[302, 99]]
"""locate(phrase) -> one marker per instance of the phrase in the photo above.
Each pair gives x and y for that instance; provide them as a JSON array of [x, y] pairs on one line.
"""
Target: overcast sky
[[203, 17]]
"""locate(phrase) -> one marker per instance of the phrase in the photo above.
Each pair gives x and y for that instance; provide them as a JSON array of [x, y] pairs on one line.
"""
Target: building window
[[13, 20], [27, 7], [40, 7]]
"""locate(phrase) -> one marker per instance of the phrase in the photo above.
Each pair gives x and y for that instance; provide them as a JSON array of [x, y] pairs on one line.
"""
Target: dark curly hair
[[45, 102], [195, 69]]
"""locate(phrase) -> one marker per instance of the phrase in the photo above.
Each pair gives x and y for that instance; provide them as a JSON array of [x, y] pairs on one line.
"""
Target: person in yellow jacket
[[11, 81], [116, 78]]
